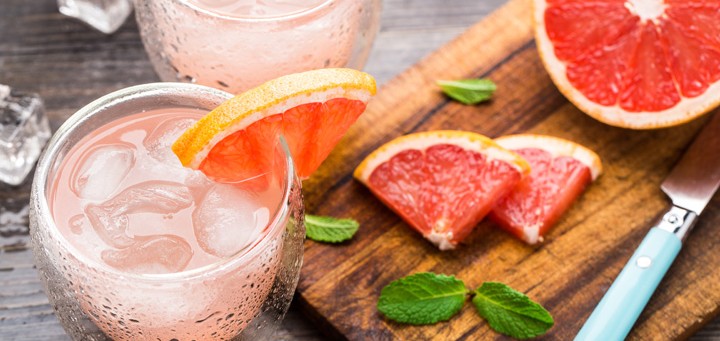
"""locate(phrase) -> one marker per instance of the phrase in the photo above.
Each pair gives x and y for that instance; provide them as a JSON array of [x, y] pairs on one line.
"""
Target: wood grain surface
[[581, 256], [71, 65]]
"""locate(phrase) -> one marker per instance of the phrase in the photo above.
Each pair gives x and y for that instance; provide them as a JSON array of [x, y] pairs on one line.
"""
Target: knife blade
[[696, 177], [690, 186]]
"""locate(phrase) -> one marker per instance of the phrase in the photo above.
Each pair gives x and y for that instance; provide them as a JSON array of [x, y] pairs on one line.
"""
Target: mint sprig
[[468, 91], [422, 298], [510, 312], [426, 298], [329, 229]]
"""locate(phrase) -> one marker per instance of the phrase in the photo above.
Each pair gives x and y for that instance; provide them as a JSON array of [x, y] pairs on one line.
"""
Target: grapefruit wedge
[[442, 183], [633, 63], [561, 170], [312, 110]]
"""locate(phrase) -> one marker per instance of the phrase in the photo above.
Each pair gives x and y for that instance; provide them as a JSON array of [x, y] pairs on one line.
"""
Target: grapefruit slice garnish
[[633, 63], [442, 183], [312, 110], [560, 171]]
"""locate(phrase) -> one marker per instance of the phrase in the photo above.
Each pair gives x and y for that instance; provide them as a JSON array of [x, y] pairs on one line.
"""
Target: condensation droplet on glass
[[187, 78]]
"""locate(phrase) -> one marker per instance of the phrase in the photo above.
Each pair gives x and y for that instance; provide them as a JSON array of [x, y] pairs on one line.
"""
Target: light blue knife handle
[[616, 313]]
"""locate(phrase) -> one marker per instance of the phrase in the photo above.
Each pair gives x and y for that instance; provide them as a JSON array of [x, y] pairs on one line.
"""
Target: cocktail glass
[[243, 296], [196, 41]]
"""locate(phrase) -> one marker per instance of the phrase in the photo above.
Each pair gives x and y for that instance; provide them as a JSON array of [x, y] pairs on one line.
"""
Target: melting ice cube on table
[[24, 130], [104, 15]]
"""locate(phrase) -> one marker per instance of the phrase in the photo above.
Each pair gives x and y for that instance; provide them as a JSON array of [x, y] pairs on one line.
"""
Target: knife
[[690, 186]]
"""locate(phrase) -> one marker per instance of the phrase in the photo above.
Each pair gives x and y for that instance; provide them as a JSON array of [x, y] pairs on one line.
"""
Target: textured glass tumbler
[[189, 43], [96, 302]]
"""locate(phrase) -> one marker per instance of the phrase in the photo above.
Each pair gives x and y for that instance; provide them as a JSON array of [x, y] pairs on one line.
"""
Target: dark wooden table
[[70, 65]]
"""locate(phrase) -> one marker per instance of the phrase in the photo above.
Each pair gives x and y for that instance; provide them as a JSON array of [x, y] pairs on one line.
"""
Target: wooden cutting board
[[569, 273]]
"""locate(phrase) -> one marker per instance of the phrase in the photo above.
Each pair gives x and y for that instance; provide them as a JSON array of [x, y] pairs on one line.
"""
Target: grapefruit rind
[[273, 97], [556, 147], [423, 140], [686, 110]]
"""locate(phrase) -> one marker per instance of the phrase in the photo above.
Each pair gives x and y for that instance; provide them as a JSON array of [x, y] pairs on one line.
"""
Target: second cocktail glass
[[234, 47]]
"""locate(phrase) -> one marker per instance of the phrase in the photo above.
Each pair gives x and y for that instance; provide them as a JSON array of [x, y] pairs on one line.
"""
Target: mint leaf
[[422, 298], [468, 91], [329, 229], [510, 312]]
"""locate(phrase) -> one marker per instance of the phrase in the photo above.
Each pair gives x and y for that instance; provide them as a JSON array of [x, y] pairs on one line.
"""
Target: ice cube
[[151, 255], [77, 223], [110, 219], [24, 130], [193, 179], [198, 184], [110, 228], [102, 171], [159, 141], [162, 197], [227, 220], [104, 15]]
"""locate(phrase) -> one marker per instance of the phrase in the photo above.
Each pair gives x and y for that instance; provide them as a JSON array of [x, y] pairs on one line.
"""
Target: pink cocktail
[[235, 45], [134, 246]]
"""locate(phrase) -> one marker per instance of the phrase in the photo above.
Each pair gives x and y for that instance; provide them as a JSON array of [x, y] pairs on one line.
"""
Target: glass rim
[[258, 19], [49, 163]]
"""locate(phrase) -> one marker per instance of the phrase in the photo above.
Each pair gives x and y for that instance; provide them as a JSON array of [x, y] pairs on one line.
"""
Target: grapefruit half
[[442, 183], [312, 110], [637, 64], [560, 171]]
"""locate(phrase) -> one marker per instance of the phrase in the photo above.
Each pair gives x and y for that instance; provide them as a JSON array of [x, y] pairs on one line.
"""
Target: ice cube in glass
[[24, 130]]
